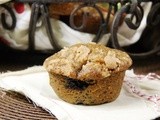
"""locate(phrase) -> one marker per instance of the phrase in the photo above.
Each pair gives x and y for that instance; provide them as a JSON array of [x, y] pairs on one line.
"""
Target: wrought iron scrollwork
[[135, 10], [154, 15], [102, 20], [3, 18], [40, 10], [132, 8]]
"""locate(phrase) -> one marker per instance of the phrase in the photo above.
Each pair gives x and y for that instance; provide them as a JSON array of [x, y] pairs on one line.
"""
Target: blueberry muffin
[[87, 74]]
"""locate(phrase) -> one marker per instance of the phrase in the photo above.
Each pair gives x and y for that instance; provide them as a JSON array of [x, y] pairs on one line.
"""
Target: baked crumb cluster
[[87, 61]]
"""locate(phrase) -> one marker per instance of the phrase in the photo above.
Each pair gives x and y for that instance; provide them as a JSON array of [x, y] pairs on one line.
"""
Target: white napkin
[[34, 83]]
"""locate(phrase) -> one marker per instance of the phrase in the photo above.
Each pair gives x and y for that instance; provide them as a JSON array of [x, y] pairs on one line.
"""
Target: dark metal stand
[[133, 7]]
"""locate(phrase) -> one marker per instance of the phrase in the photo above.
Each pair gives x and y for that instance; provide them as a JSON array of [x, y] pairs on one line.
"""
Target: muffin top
[[89, 61]]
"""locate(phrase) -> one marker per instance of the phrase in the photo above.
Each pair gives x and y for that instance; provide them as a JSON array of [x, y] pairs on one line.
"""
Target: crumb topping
[[111, 61], [87, 61]]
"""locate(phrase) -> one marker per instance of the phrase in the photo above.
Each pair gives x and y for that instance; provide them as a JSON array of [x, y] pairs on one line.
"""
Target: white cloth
[[34, 83], [4, 1]]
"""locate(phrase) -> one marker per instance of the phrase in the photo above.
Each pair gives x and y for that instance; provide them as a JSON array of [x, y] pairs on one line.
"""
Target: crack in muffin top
[[87, 61]]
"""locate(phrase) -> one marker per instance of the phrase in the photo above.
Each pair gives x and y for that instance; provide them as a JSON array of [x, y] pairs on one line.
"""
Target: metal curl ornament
[[137, 12], [114, 30], [153, 18], [103, 26], [3, 18], [42, 10], [102, 20]]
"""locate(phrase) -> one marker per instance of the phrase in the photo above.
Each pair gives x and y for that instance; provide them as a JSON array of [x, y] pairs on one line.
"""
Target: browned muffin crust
[[88, 61], [62, 11], [101, 91], [62, 8]]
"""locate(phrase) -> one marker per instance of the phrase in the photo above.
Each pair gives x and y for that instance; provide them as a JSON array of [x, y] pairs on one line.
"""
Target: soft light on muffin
[[87, 73]]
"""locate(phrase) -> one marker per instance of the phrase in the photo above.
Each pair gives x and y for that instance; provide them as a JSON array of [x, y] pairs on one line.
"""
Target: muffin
[[87, 74], [92, 20]]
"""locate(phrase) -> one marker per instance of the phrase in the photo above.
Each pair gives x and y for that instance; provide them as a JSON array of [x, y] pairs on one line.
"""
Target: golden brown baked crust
[[62, 8], [101, 91], [87, 73], [88, 61], [92, 21]]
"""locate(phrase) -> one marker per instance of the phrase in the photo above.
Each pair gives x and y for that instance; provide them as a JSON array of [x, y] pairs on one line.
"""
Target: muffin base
[[101, 91]]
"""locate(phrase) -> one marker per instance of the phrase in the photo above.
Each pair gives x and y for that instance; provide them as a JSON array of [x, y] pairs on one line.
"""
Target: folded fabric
[[4, 1], [132, 104]]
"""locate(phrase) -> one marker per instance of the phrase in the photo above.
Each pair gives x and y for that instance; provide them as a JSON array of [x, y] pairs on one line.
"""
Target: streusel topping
[[87, 61]]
